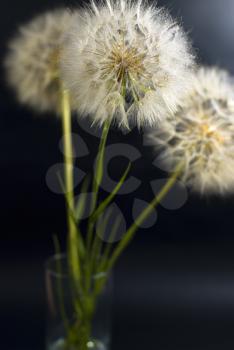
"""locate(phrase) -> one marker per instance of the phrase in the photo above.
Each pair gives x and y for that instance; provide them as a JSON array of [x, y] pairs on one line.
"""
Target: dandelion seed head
[[122, 59], [201, 135], [33, 60]]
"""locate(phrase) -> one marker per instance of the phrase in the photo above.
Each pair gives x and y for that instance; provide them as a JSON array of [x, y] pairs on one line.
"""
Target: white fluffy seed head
[[126, 61], [201, 135], [32, 62]]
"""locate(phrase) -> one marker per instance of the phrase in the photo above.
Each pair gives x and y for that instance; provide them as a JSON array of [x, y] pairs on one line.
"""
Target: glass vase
[[66, 330]]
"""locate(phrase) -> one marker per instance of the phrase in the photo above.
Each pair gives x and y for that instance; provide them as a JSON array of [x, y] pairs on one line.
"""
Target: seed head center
[[211, 135], [54, 60], [125, 62]]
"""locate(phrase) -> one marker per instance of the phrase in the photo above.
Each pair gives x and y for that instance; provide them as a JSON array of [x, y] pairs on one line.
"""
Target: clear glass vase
[[64, 328]]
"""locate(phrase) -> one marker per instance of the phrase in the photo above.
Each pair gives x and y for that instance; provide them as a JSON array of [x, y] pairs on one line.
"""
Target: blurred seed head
[[202, 134], [32, 62]]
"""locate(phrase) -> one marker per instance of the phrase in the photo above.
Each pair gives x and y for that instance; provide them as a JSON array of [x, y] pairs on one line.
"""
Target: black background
[[174, 287]]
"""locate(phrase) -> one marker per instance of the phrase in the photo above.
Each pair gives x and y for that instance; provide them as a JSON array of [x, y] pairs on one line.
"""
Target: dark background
[[174, 288]]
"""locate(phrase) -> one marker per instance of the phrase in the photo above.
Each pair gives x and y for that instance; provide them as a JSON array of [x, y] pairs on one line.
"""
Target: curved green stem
[[98, 178], [69, 183], [143, 216]]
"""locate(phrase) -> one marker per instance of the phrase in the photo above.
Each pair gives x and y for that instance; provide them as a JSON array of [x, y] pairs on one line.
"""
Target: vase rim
[[50, 266], [63, 257]]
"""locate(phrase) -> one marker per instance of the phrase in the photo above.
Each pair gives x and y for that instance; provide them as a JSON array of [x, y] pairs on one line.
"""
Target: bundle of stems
[[91, 259]]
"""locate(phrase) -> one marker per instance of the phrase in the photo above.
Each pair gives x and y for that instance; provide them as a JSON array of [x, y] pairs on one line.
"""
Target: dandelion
[[32, 62], [126, 62], [202, 134]]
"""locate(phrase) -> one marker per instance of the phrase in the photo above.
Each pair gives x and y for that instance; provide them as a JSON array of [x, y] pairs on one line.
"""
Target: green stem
[[79, 335], [107, 251], [90, 242], [143, 216], [69, 183]]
